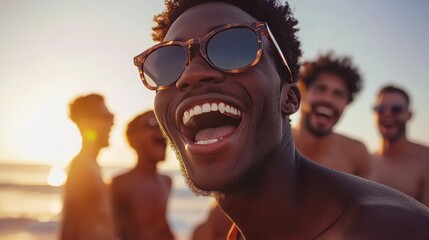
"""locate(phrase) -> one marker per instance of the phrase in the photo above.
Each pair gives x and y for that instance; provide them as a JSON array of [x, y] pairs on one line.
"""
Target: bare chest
[[339, 159], [404, 175]]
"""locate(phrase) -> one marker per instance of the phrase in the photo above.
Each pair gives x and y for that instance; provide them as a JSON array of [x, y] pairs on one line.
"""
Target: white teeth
[[205, 142], [209, 107], [221, 107], [197, 110], [325, 111], [206, 107]]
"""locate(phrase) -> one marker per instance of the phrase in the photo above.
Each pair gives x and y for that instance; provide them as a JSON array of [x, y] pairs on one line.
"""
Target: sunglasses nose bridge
[[194, 47]]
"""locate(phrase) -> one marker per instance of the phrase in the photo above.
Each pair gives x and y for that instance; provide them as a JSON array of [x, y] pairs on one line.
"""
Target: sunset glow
[[56, 177]]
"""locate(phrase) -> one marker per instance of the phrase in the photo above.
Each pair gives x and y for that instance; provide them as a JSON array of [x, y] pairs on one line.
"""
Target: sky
[[53, 51]]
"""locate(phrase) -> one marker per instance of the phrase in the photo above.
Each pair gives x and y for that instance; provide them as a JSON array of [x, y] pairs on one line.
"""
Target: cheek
[[164, 112], [341, 105]]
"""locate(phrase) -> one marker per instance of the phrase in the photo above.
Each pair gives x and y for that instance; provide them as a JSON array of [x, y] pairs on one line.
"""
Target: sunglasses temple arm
[[283, 59]]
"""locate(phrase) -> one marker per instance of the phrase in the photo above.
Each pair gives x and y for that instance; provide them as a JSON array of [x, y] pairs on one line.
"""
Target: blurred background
[[52, 51]]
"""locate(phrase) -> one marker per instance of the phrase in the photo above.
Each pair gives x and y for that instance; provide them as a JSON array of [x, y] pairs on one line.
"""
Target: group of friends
[[225, 89], [133, 205]]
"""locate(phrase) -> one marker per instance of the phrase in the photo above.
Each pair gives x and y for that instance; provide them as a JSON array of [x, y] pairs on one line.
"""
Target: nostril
[[207, 80], [184, 85]]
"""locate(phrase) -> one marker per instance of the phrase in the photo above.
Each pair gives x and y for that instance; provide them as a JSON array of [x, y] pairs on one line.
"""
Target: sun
[[49, 138], [57, 177]]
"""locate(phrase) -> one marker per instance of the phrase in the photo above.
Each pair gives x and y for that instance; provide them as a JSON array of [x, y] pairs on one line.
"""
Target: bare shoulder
[[394, 217], [356, 151], [122, 182], [348, 142], [422, 151]]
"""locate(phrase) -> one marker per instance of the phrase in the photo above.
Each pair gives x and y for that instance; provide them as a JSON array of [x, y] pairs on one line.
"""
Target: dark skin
[[259, 180], [215, 227], [140, 196]]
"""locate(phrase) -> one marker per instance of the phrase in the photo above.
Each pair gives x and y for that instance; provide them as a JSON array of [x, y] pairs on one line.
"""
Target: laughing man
[[224, 91]]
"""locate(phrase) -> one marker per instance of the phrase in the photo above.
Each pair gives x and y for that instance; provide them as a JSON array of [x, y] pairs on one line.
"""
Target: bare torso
[[140, 204], [341, 206], [336, 152], [87, 210], [407, 172], [215, 227]]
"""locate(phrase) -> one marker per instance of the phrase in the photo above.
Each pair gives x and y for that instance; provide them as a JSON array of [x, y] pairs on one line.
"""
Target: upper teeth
[[324, 110], [209, 107]]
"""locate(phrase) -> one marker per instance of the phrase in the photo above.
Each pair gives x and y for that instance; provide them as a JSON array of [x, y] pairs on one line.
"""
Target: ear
[[409, 115], [290, 98]]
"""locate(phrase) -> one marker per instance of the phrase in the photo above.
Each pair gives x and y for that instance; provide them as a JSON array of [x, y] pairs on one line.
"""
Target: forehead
[[201, 19], [391, 97], [330, 79]]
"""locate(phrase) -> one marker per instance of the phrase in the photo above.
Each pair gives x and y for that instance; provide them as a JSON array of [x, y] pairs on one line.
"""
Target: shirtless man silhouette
[[399, 163], [87, 210], [328, 85], [224, 92], [140, 195]]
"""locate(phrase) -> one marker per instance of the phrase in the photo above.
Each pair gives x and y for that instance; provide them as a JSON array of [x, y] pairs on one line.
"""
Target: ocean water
[[30, 208]]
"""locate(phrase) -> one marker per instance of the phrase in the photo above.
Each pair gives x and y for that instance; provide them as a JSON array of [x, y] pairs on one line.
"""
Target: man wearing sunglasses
[[225, 90], [140, 196], [399, 163], [328, 84]]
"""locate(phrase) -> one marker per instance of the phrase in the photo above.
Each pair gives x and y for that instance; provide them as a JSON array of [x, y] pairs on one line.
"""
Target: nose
[[198, 72]]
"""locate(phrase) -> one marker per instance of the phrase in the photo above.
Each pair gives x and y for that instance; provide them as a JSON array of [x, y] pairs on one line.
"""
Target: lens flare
[[56, 177]]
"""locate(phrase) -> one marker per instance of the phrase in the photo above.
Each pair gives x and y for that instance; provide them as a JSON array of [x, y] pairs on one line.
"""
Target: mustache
[[202, 91]]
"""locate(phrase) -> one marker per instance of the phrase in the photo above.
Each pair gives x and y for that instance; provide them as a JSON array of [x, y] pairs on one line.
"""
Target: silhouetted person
[[215, 227], [224, 101], [328, 84], [87, 211], [140, 196], [399, 163]]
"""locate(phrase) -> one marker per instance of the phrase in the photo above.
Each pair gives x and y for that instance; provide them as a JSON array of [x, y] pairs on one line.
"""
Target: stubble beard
[[314, 131], [401, 132]]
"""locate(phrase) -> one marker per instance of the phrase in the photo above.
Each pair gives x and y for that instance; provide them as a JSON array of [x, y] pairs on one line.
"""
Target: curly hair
[[278, 16], [341, 66]]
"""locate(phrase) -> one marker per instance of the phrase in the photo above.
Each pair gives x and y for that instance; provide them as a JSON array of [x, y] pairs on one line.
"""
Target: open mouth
[[160, 141], [210, 122], [388, 124], [324, 112]]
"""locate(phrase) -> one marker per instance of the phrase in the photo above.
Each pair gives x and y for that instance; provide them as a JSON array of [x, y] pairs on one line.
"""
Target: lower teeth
[[205, 142]]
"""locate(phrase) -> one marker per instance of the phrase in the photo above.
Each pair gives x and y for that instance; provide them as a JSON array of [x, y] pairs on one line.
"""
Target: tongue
[[214, 133]]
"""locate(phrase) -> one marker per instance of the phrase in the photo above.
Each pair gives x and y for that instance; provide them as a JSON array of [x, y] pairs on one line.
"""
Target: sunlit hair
[[84, 106], [134, 126], [342, 66], [395, 89], [278, 16]]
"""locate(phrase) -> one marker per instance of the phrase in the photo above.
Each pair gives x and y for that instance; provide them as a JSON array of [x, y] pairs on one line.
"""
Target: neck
[[272, 194], [309, 144], [88, 151], [394, 148], [145, 166]]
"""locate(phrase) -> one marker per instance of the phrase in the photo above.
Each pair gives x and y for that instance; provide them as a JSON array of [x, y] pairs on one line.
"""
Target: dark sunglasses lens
[[234, 48], [397, 109], [164, 66], [378, 109]]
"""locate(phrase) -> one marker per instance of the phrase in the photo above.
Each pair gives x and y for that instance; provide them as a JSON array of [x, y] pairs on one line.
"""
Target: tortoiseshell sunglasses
[[232, 48]]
